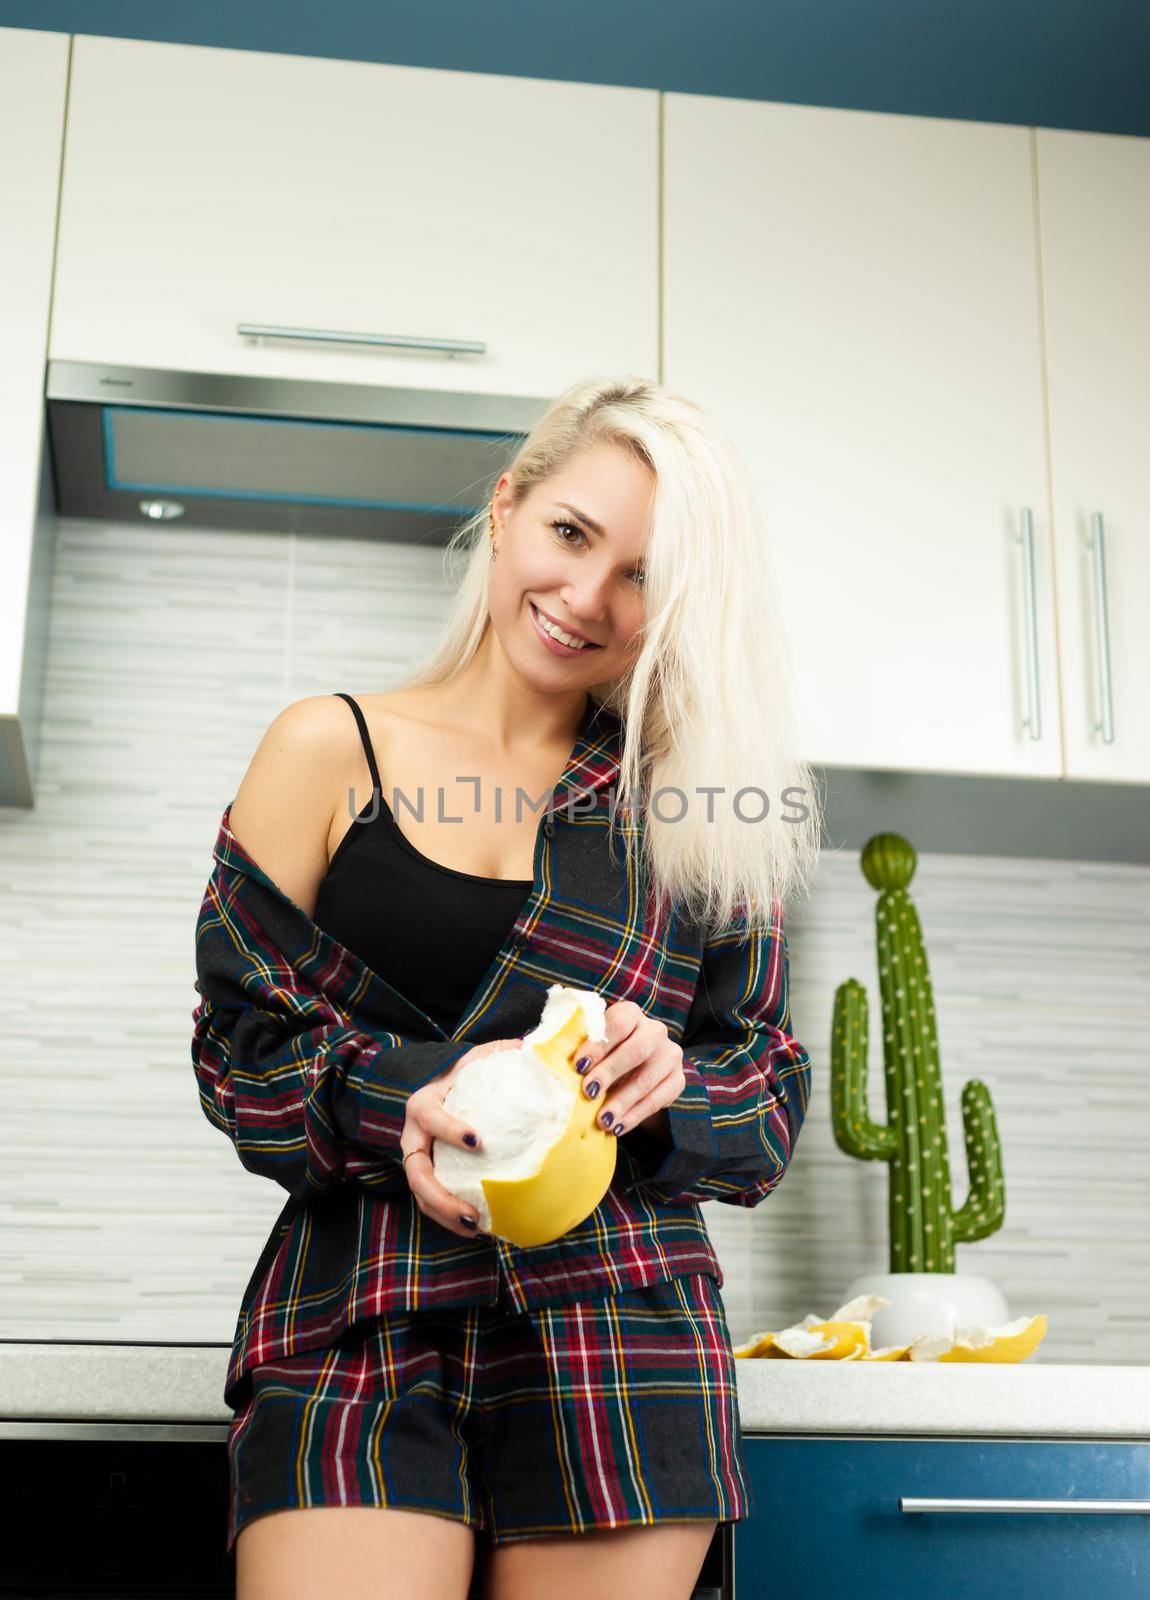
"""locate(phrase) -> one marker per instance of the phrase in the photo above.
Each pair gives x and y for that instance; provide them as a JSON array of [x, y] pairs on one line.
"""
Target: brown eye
[[570, 527]]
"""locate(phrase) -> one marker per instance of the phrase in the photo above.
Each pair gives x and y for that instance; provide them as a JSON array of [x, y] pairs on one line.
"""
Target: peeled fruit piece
[[832, 1340], [862, 1308], [843, 1336], [759, 1344], [1010, 1341], [805, 1343], [544, 1163]]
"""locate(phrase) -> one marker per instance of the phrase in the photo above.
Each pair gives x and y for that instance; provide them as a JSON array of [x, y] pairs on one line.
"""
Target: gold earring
[[494, 546]]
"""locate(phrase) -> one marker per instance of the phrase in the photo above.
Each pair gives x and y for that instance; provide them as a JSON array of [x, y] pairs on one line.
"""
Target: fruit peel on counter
[[846, 1336]]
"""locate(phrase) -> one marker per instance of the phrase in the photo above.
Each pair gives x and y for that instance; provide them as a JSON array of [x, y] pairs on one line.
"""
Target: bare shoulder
[[401, 705], [283, 809], [409, 725]]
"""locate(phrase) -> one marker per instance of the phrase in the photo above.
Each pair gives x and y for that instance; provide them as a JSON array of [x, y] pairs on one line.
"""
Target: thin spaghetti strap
[[366, 737]]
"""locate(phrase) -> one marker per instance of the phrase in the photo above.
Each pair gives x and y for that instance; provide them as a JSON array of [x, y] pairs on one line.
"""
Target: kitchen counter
[[53, 1383]]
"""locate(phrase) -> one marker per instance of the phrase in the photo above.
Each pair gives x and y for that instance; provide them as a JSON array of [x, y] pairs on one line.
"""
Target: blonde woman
[[410, 1392]]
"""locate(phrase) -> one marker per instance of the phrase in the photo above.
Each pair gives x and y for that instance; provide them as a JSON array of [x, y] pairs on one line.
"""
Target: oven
[[138, 1511]]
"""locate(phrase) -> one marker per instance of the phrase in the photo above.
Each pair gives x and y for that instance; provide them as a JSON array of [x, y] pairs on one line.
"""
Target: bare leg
[[355, 1553], [609, 1564]]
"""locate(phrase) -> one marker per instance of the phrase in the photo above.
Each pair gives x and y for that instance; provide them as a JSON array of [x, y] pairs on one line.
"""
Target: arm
[[733, 1129], [308, 1098]]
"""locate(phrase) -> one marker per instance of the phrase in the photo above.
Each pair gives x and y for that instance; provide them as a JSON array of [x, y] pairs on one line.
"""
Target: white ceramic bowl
[[928, 1302]]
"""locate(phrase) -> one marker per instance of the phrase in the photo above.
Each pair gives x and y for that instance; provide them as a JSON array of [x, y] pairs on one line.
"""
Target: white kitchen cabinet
[[854, 296], [33, 92], [204, 188], [1094, 209]]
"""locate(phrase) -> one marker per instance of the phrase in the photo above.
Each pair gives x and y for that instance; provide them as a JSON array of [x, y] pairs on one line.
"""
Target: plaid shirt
[[304, 1056]]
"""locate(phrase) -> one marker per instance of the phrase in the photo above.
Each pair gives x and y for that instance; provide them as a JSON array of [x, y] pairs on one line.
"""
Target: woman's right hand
[[424, 1122]]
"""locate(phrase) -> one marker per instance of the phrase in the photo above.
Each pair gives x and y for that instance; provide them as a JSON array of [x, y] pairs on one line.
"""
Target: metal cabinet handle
[[260, 331], [1097, 547], [1033, 718], [1128, 1508]]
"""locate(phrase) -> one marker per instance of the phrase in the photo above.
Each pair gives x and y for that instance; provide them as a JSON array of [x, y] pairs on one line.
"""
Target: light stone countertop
[[94, 1383]]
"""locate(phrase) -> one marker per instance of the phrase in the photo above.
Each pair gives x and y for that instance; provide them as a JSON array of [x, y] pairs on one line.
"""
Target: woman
[[575, 1405]]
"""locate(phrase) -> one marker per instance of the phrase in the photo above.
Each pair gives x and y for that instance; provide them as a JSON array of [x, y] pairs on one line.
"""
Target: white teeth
[[557, 633]]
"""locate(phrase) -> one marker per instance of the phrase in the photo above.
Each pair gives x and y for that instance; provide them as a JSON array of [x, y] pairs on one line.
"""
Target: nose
[[586, 597]]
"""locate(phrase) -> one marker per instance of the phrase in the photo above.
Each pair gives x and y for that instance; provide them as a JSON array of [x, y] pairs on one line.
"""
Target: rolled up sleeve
[[315, 1104], [735, 1125]]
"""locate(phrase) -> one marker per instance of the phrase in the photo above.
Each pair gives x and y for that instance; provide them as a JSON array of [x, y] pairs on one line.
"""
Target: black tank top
[[391, 906]]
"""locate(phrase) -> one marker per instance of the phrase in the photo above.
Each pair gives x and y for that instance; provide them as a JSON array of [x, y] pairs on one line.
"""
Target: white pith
[[520, 1110], [517, 1105]]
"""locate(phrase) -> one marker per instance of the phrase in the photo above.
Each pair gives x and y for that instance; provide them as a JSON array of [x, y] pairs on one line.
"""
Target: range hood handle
[[260, 332]]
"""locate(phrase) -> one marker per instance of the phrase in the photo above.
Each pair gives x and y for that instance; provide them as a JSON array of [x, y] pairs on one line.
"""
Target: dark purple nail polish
[[469, 1222], [617, 1129], [471, 1141], [605, 1118], [582, 1064], [592, 1089]]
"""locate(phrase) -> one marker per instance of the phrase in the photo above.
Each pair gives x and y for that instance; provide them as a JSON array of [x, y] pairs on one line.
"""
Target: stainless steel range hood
[[214, 450]]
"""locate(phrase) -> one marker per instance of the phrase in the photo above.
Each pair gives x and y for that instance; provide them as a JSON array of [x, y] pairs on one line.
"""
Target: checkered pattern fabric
[[304, 1057], [596, 1414]]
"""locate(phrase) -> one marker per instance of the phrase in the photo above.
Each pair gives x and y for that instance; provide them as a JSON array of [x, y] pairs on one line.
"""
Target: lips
[[588, 644]]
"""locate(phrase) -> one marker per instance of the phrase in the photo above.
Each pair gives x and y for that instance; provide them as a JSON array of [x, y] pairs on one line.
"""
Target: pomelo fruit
[[544, 1163]]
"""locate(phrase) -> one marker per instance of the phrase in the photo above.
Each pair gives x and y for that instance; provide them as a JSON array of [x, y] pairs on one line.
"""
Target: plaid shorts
[[599, 1414]]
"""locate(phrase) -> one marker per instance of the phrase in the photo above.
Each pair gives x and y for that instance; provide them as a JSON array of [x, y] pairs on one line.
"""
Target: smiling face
[[571, 558]]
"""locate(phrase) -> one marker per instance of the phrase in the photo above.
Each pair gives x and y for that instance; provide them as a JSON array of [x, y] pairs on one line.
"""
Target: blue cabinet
[[826, 1520]]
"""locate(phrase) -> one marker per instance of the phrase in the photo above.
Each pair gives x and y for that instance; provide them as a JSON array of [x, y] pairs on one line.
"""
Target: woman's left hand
[[636, 1071]]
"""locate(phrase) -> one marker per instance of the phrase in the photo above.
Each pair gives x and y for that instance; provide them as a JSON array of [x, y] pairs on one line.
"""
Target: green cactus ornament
[[924, 1227]]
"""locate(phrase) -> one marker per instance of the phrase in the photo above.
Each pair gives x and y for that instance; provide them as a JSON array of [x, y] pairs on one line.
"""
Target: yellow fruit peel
[[577, 1170], [843, 1336], [887, 1352], [757, 1346], [846, 1334], [1010, 1341], [833, 1340]]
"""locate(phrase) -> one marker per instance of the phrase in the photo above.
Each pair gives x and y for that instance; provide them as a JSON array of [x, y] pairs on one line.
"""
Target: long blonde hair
[[707, 703]]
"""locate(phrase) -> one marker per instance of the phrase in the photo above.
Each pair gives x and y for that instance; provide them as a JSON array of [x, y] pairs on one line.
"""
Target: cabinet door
[[854, 296], [208, 187], [33, 90], [826, 1520], [1094, 201]]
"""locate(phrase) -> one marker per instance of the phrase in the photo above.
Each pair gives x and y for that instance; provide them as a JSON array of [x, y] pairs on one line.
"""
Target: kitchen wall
[[125, 1216], [1048, 63]]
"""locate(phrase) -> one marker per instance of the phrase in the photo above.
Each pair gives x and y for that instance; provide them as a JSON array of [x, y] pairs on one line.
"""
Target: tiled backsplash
[[126, 1216]]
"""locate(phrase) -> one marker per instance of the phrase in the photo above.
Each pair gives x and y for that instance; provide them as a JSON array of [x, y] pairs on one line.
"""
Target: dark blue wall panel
[[1052, 63]]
